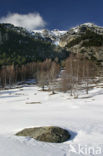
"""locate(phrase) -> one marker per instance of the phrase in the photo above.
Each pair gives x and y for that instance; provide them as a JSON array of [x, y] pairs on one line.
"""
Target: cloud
[[29, 21]]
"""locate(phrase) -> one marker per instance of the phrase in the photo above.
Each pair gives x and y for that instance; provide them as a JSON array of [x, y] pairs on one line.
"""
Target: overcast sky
[[51, 14]]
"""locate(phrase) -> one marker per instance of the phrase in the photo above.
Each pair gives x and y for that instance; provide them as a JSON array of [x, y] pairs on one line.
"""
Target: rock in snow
[[46, 134]]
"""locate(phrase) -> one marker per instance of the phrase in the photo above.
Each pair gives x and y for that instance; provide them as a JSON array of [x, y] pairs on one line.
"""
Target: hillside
[[86, 39], [18, 46]]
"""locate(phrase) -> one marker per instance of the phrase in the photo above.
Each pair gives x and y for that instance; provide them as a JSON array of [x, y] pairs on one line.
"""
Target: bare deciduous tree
[[53, 73], [78, 70]]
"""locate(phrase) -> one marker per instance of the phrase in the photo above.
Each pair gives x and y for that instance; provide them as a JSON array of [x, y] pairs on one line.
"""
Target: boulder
[[47, 134]]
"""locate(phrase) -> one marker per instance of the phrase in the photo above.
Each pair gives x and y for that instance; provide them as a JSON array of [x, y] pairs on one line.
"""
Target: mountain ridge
[[18, 46], [86, 38]]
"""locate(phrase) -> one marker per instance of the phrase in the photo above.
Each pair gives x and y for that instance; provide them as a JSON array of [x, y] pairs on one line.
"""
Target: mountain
[[53, 36], [87, 39], [18, 46]]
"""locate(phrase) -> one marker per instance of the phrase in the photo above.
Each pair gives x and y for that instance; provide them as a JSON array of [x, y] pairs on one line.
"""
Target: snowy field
[[29, 107]]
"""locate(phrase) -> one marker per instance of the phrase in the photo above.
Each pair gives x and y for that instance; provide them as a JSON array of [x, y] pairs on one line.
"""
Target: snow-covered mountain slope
[[83, 117], [80, 28], [53, 35], [45, 32], [56, 36]]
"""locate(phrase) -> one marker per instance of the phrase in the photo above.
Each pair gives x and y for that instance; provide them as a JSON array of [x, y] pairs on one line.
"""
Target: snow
[[53, 33], [83, 117], [76, 29], [37, 31], [58, 32], [89, 24]]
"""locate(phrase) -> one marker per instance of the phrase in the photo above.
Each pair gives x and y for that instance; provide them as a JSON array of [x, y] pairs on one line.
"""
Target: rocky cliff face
[[86, 39]]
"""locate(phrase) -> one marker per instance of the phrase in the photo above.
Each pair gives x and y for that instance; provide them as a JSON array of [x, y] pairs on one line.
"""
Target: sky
[[51, 14]]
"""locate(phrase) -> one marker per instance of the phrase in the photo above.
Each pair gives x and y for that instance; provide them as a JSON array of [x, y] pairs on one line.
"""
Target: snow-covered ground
[[30, 107]]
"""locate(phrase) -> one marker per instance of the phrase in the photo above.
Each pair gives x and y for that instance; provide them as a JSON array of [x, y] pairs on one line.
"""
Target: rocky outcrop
[[86, 39]]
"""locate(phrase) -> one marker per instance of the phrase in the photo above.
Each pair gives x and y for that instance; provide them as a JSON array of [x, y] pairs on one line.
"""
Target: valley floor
[[30, 107]]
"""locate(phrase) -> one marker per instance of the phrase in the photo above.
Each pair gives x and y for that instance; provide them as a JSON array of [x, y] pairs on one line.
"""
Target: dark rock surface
[[47, 134]]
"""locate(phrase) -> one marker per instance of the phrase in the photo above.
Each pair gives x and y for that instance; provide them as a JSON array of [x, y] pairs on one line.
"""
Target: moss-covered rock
[[47, 134]]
